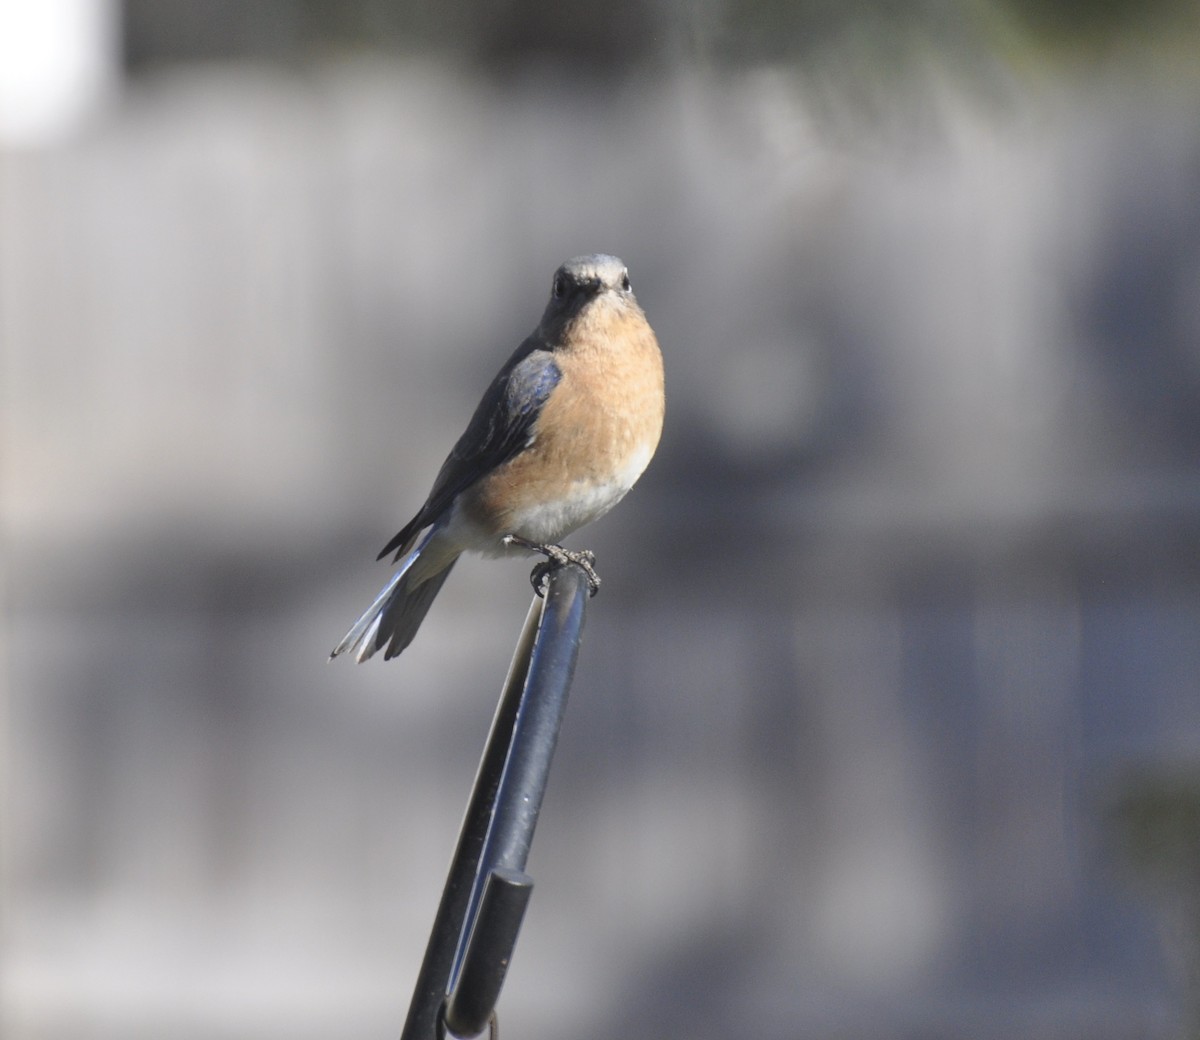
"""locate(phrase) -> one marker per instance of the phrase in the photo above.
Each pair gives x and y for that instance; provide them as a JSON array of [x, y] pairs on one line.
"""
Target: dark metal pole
[[535, 732], [488, 951], [433, 978], [501, 814]]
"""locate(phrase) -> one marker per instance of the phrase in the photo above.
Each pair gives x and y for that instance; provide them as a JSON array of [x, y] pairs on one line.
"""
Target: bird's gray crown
[[609, 271]]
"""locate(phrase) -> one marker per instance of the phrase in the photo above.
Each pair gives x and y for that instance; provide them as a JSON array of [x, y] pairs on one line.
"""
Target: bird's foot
[[557, 556]]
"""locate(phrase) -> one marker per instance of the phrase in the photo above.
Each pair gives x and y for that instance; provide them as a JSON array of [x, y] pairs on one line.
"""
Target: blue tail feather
[[393, 618]]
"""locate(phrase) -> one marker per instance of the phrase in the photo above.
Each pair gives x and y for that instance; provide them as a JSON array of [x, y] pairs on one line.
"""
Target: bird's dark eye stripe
[[625, 281]]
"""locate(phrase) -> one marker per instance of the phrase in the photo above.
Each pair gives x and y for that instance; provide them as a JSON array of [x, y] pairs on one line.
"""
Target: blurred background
[[887, 722]]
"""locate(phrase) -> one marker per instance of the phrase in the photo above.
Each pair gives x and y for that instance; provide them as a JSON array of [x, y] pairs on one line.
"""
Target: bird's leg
[[556, 556]]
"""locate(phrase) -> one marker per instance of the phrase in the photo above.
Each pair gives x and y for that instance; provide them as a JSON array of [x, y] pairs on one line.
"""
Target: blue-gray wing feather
[[499, 429]]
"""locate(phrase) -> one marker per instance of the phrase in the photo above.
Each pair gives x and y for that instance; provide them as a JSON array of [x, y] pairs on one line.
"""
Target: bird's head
[[581, 284]]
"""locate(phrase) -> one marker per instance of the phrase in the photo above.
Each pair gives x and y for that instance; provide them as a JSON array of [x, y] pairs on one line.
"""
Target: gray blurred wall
[[908, 594]]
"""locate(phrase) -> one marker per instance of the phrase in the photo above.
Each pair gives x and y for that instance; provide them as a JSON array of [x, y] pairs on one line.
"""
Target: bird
[[561, 434]]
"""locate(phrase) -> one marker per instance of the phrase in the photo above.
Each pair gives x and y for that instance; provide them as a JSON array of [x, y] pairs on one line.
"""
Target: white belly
[[548, 522]]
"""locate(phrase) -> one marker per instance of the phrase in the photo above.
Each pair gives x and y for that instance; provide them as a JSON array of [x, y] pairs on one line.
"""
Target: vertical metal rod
[[488, 952], [522, 785], [506, 797], [433, 978]]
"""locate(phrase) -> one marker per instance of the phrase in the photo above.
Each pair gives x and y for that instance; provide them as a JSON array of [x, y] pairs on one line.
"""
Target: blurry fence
[[911, 580]]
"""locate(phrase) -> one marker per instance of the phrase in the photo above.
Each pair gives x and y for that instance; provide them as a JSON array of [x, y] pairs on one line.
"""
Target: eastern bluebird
[[563, 432]]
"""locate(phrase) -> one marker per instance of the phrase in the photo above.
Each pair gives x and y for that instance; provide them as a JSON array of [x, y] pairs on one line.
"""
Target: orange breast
[[594, 435]]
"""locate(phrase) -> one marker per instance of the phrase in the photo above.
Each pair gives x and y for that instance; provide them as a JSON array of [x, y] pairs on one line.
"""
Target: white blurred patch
[[58, 62]]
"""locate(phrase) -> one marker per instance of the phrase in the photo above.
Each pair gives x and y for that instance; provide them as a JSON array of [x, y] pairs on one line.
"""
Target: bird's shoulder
[[509, 406], [499, 428]]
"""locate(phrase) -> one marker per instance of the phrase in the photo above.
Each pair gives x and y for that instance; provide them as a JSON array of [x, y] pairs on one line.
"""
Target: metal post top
[[483, 903]]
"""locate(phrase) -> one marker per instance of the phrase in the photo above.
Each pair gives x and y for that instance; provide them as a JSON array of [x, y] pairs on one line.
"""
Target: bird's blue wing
[[500, 428]]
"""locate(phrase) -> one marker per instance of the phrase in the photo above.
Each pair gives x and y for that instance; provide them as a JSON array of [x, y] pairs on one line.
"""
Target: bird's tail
[[393, 619]]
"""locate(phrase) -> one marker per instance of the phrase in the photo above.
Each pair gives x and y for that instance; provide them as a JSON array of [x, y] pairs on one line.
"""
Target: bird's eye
[[560, 286], [625, 286]]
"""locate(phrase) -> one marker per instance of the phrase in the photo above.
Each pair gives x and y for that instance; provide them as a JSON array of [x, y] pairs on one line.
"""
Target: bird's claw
[[557, 556]]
